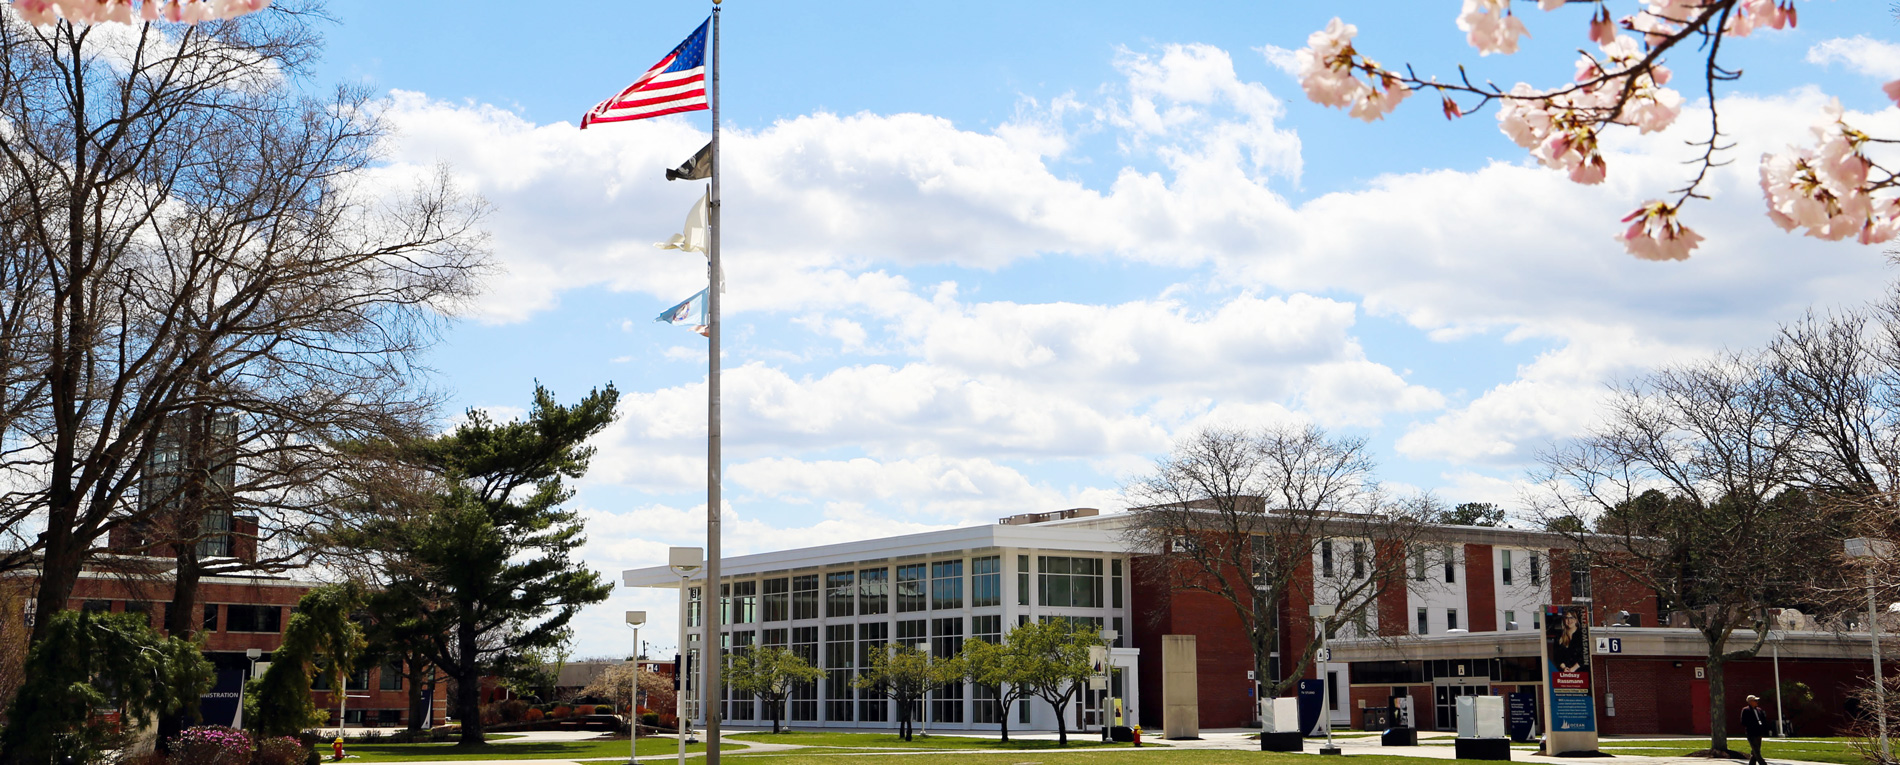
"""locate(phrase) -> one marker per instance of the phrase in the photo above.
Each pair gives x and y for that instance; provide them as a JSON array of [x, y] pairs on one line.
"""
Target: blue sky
[[988, 258]]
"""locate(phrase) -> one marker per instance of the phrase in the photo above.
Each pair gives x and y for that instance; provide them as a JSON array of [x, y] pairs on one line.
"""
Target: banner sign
[[1311, 701], [1570, 703], [1522, 716]]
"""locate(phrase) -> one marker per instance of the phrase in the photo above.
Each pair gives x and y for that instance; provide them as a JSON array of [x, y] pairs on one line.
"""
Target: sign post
[[1570, 723]]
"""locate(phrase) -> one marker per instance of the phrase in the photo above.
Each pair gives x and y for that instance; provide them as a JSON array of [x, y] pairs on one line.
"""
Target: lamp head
[[253, 653], [685, 561], [636, 618]]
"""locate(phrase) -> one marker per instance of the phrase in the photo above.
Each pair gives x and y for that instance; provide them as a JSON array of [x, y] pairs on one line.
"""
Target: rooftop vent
[[1025, 519]]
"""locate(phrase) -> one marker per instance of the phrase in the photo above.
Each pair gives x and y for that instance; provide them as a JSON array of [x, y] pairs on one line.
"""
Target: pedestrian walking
[[1755, 725]]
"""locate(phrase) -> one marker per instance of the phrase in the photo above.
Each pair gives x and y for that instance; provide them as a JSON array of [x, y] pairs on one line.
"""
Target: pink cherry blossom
[[1892, 89], [1326, 65], [1550, 5], [195, 11], [1602, 29], [1655, 234], [1373, 104], [36, 12], [173, 11], [1490, 27], [1655, 110]]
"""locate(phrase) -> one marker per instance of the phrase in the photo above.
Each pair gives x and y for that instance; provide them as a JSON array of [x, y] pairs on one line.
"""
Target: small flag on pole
[[697, 168], [676, 84], [692, 236], [689, 311]]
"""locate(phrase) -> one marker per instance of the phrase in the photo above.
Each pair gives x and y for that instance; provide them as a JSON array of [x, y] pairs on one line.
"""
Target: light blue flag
[[689, 311]]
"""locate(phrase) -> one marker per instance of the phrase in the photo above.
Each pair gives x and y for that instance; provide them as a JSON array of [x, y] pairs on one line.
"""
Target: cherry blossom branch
[[1826, 189]]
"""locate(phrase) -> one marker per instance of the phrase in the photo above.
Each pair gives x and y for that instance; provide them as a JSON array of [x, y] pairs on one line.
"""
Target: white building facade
[[835, 605]]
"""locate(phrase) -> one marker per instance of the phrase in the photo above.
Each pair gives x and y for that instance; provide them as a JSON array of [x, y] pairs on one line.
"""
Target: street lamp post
[[1320, 613], [1872, 550], [634, 620], [686, 563]]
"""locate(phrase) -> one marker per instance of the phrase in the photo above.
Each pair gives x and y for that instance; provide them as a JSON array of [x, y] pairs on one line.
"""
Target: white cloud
[[1874, 58], [1283, 59]]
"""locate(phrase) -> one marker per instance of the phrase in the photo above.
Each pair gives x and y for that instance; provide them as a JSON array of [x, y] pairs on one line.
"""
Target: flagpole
[[712, 694]]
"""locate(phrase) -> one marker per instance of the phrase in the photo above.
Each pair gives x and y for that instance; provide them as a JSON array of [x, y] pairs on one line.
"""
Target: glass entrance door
[[1445, 703]]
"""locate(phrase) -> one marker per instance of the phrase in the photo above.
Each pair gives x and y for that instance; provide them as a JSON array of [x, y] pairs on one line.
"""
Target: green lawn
[[891, 741], [1147, 755], [539, 750], [1836, 750]]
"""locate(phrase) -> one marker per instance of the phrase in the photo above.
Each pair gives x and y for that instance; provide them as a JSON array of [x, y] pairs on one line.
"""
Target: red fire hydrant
[[337, 746], [1137, 735]]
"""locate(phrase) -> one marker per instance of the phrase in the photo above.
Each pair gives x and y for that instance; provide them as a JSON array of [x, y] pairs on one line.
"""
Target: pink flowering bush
[[48, 12], [1829, 189], [211, 745]]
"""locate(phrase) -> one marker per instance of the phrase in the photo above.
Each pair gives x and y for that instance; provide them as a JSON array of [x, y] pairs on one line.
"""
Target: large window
[[805, 597], [1326, 558], [804, 706], [911, 633], [778, 599], [1358, 560], [986, 582], [910, 588], [1069, 582], [741, 602], [1451, 566], [988, 629], [946, 637], [838, 654], [389, 677], [1022, 580], [946, 703], [693, 605], [1424, 625], [242, 618], [874, 591], [1537, 570], [774, 638], [984, 709], [841, 593], [1115, 582], [946, 584], [1504, 560], [873, 638]]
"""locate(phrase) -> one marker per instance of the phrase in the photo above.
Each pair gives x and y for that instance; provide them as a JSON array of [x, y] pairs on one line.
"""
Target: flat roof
[[1073, 534]]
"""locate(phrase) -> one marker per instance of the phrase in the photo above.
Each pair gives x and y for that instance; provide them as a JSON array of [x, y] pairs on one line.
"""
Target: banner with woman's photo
[[1572, 707]]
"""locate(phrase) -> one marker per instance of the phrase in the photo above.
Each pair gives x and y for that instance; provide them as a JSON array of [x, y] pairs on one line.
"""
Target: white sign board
[[1324, 655]]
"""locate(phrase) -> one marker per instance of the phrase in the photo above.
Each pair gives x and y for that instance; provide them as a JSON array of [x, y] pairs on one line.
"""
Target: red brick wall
[[1392, 599], [1223, 655], [1559, 574], [276, 592], [1481, 600]]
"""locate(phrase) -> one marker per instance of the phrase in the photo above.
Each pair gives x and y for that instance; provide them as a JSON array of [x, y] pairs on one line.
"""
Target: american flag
[[676, 84]]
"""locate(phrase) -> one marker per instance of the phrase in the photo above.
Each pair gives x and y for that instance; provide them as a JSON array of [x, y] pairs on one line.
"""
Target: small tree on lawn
[[1054, 663], [769, 673], [998, 667], [901, 673]]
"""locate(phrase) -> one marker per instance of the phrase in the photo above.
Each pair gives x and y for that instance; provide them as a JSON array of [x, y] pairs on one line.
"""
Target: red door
[[1699, 706]]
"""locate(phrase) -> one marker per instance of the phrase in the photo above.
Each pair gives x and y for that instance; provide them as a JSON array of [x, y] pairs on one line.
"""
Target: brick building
[[241, 613]]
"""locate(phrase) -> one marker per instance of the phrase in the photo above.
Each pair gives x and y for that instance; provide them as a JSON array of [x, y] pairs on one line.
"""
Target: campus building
[[241, 613], [1466, 621], [837, 604]]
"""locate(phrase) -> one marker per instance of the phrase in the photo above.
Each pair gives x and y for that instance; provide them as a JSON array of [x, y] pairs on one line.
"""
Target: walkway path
[[1228, 740]]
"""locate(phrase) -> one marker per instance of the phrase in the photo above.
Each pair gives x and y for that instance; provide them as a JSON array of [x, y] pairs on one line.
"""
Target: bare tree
[[1255, 517], [202, 248], [1691, 489]]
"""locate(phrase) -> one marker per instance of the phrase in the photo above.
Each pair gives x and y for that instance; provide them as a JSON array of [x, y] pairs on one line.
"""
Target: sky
[[987, 258]]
